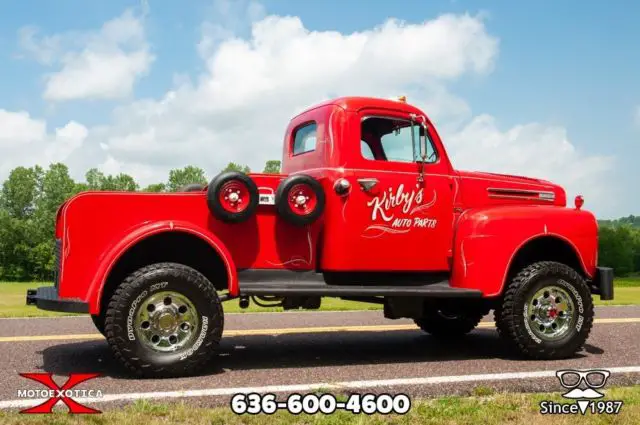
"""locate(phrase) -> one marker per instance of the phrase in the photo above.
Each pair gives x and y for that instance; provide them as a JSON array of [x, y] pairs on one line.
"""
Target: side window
[[398, 144], [304, 139], [390, 139]]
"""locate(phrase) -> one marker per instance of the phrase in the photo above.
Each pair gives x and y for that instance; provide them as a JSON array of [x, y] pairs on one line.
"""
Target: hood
[[485, 189]]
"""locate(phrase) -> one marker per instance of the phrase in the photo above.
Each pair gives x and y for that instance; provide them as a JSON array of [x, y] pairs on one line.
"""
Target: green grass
[[622, 296], [13, 297], [627, 281], [486, 409], [12, 300]]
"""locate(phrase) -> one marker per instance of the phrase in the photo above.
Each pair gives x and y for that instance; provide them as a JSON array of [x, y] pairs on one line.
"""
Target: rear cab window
[[304, 139]]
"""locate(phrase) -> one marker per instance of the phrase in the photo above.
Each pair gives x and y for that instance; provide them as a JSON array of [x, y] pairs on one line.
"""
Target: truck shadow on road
[[306, 351]]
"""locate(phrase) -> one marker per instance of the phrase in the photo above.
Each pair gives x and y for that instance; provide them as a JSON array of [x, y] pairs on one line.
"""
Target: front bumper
[[46, 298], [602, 283]]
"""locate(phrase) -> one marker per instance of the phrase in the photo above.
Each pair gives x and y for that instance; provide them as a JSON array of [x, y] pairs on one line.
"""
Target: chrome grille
[[56, 269]]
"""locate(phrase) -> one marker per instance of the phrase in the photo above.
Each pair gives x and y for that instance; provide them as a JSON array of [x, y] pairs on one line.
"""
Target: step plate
[[313, 288]]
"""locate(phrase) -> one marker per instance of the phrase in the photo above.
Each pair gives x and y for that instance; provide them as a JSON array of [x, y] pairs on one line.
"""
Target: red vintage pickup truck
[[368, 207]]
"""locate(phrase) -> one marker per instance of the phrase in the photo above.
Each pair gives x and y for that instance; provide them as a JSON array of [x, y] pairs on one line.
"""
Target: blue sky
[[560, 70]]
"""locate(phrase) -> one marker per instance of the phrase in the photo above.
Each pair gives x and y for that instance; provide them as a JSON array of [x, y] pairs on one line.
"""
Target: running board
[[320, 288]]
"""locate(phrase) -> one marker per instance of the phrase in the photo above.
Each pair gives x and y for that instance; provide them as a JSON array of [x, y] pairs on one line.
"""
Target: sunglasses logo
[[591, 380]]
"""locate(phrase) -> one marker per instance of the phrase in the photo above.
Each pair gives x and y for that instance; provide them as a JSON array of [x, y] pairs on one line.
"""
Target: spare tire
[[232, 197], [300, 199], [192, 187]]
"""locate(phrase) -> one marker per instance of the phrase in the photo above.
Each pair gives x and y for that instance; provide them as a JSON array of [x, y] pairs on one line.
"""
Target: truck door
[[399, 214]]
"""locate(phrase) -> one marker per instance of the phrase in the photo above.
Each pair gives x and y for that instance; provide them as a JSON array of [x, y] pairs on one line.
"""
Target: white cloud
[[531, 149], [43, 50], [18, 129], [25, 141], [103, 64], [238, 108], [67, 139], [227, 18]]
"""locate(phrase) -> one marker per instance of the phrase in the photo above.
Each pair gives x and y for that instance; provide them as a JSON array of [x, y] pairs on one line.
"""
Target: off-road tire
[[510, 314], [441, 325], [143, 360]]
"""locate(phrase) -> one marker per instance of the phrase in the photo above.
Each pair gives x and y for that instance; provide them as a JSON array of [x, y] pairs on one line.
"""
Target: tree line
[[30, 197], [619, 245]]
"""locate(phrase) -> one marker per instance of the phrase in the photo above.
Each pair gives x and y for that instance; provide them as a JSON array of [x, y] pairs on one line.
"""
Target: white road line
[[211, 392]]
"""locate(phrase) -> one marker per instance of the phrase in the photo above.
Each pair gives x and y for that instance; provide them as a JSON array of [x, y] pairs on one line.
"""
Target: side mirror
[[423, 149], [423, 142]]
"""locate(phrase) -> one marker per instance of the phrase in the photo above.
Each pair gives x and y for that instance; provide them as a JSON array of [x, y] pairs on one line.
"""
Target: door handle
[[368, 183]]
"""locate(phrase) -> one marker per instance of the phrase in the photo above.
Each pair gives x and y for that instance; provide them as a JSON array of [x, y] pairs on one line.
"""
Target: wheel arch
[[489, 243], [544, 248], [164, 242]]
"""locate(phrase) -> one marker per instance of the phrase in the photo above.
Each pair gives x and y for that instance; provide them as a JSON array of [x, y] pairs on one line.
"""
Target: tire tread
[[507, 325], [114, 332]]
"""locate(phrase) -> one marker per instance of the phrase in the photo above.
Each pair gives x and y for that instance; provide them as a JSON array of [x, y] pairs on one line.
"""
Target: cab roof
[[356, 103]]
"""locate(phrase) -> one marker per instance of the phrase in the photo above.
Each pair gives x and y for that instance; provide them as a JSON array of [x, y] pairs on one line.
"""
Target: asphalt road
[[262, 350]]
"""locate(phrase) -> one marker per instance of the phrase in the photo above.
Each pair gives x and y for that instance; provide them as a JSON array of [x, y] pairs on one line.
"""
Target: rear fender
[[132, 238], [487, 240]]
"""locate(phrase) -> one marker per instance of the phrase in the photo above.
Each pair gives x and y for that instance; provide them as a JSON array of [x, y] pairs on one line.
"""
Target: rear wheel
[[546, 312], [444, 323], [164, 320]]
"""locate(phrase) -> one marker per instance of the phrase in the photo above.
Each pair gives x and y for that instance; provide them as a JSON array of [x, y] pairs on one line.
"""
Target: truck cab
[[375, 148], [367, 207]]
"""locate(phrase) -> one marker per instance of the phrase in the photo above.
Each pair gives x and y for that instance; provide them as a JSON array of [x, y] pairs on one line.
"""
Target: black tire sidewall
[[98, 321], [209, 310], [282, 204], [213, 193], [579, 295]]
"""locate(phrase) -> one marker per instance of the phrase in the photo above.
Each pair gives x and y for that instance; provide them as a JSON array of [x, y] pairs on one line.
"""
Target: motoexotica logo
[[583, 387], [54, 393]]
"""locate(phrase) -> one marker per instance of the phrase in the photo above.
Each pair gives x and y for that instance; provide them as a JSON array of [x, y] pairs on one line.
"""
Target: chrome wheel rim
[[166, 321], [551, 313]]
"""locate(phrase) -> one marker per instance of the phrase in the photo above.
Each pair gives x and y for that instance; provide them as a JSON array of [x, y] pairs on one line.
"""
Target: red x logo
[[60, 392]]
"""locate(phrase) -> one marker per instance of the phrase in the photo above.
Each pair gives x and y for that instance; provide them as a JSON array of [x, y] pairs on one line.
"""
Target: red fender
[[111, 258], [487, 240]]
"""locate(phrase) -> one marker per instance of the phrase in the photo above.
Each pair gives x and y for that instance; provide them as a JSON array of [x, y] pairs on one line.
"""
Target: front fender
[[144, 231], [486, 241]]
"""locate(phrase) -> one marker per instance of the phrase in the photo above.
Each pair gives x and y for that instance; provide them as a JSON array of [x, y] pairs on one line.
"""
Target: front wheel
[[547, 311], [164, 320]]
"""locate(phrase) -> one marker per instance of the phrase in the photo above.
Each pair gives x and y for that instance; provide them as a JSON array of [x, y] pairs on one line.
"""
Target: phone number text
[[254, 403]]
